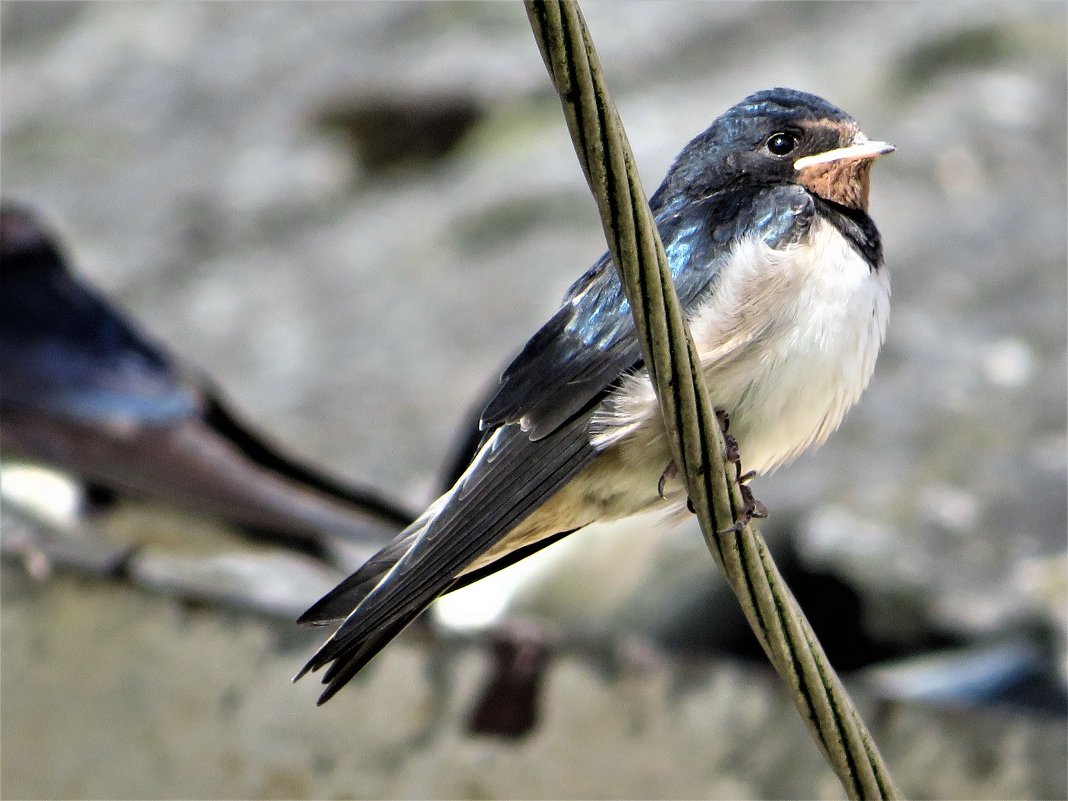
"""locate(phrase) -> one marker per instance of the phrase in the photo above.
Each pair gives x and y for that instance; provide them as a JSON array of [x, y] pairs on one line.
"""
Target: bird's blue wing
[[590, 341]]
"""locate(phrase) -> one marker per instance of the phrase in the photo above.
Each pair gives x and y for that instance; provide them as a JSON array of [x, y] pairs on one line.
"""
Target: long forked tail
[[510, 478]]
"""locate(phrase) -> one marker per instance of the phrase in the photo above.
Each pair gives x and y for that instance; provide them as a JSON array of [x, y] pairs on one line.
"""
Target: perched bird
[[779, 268], [83, 389]]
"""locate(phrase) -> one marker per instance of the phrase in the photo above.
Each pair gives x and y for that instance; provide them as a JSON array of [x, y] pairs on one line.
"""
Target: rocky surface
[[351, 215]]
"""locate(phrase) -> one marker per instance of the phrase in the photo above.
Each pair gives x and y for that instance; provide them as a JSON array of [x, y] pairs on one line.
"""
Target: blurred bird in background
[[83, 389]]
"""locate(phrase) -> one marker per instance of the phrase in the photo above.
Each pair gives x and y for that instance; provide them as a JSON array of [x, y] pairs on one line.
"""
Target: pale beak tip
[[862, 149]]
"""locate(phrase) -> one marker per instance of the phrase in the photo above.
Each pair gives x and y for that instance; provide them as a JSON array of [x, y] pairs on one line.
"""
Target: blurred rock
[[390, 132]]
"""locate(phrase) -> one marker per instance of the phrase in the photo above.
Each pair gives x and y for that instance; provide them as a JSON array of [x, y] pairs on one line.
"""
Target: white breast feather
[[788, 341]]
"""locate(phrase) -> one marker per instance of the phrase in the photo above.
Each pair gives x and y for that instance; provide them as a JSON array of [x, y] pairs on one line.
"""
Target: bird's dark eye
[[781, 143]]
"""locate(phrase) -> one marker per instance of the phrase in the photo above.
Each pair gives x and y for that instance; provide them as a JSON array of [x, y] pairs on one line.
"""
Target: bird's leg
[[724, 420], [733, 455], [753, 508], [731, 452]]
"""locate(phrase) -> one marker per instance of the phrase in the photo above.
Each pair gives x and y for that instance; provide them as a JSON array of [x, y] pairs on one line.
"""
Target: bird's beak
[[861, 149]]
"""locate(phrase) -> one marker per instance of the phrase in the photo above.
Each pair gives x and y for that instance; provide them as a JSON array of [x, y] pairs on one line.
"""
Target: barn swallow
[[82, 388], [779, 268]]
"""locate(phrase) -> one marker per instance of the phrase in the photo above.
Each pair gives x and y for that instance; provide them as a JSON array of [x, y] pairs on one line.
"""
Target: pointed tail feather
[[510, 478], [338, 604]]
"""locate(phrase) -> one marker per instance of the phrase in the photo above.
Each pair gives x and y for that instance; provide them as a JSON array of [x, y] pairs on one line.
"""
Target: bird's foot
[[753, 509], [732, 453], [670, 473]]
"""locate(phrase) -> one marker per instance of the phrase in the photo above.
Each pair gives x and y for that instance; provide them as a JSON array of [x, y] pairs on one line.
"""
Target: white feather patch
[[787, 340]]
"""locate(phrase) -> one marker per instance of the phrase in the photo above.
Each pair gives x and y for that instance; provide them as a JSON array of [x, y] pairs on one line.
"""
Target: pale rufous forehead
[[845, 130]]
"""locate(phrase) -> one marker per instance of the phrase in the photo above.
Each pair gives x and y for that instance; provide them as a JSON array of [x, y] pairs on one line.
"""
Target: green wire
[[694, 433]]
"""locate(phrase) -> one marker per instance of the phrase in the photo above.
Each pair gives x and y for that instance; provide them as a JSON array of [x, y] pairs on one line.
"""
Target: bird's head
[[779, 136]]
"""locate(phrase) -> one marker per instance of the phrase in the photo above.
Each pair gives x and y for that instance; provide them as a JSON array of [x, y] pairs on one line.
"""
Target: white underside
[[788, 342]]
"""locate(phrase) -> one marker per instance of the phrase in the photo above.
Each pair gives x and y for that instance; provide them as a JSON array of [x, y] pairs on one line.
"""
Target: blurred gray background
[[352, 214]]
